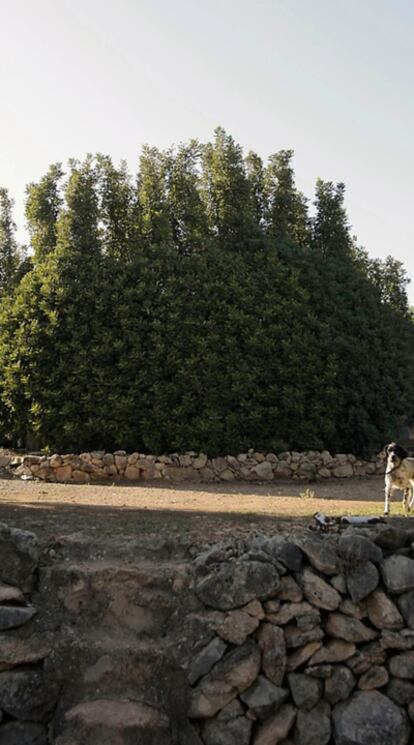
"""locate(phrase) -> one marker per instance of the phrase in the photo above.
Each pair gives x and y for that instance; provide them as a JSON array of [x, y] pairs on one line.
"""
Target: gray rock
[[362, 580], [25, 696], [357, 610], [9, 594], [279, 549], [398, 574], [365, 657], [15, 652], [400, 691], [295, 637], [306, 691], [277, 726], [290, 611], [406, 605], [235, 625], [19, 556], [382, 612], [402, 640], [307, 621], [318, 592], [234, 583], [402, 665], [204, 661], [344, 471], [339, 686], [231, 676], [320, 553], [23, 733], [348, 628], [376, 677], [391, 539], [369, 718], [234, 731], [356, 549], [263, 696], [320, 671], [289, 590], [313, 727], [302, 655], [12, 616], [335, 650], [271, 640], [339, 583], [264, 471]]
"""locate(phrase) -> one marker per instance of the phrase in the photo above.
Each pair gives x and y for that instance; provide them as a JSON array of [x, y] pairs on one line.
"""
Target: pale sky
[[332, 79]]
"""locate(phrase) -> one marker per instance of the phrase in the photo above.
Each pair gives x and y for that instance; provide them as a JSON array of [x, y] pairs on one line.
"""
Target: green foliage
[[200, 307], [43, 206], [10, 254]]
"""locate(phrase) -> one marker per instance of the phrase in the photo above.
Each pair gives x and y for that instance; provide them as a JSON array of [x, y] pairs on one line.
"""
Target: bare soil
[[201, 512]]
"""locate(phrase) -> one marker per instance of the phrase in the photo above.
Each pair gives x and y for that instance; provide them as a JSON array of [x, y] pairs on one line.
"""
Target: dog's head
[[395, 454]]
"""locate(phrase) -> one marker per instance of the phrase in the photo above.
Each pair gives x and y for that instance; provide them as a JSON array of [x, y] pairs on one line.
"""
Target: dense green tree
[[116, 208], [286, 215], [153, 215], [331, 231], [43, 204], [187, 216], [226, 192], [255, 176], [199, 308], [10, 253]]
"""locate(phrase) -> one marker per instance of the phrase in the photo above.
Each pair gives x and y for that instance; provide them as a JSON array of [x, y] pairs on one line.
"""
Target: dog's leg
[[411, 502], [388, 489], [406, 499]]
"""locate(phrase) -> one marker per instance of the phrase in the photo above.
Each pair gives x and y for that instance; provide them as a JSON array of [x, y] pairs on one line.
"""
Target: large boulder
[[318, 592], [402, 665], [23, 733], [313, 727], [398, 574], [25, 695], [382, 612], [361, 580], [278, 549], [12, 616], [263, 697], [272, 645], [231, 676], [229, 727], [276, 728], [339, 685], [232, 584], [370, 718], [320, 553], [306, 691], [19, 556], [349, 629], [356, 549]]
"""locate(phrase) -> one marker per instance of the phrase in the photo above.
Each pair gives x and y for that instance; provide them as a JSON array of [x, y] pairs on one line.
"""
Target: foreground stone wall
[[191, 466], [305, 640]]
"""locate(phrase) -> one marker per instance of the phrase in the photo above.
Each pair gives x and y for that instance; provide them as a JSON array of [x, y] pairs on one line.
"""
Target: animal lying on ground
[[399, 474]]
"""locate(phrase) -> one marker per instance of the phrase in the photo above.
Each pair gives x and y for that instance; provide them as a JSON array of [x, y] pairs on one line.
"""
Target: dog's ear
[[400, 452]]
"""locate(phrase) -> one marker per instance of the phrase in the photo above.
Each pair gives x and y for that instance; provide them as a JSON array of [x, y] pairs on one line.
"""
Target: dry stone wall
[[265, 640], [191, 466]]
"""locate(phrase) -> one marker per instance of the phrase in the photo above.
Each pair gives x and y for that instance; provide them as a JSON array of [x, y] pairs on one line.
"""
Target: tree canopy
[[200, 305]]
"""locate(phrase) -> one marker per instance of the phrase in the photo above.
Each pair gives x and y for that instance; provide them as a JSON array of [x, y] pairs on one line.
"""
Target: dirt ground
[[201, 512]]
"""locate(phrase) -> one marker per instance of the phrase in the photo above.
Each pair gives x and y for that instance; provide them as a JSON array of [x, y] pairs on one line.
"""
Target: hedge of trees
[[199, 306]]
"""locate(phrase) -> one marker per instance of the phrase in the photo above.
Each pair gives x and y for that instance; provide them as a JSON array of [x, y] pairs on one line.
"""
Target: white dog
[[399, 474]]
